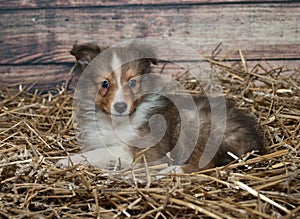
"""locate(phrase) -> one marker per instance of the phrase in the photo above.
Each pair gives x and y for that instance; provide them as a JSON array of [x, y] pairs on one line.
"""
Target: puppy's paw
[[72, 161], [174, 169]]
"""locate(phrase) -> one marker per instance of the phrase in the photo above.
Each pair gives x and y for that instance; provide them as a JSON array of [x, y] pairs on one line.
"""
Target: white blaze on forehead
[[116, 67]]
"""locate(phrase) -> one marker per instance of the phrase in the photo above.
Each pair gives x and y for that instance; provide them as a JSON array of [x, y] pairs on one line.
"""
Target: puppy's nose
[[120, 107]]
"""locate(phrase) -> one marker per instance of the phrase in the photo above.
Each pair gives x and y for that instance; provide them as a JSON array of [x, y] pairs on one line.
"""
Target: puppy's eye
[[105, 84], [132, 83]]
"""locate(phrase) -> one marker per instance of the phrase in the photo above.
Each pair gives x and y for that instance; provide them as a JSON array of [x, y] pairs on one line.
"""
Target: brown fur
[[86, 52], [242, 133]]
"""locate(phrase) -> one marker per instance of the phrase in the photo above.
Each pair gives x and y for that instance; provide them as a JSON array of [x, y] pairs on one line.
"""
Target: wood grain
[[14, 4], [46, 36], [48, 76], [36, 36], [44, 76]]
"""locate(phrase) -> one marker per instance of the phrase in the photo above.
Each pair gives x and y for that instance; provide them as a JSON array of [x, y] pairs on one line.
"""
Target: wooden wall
[[36, 36]]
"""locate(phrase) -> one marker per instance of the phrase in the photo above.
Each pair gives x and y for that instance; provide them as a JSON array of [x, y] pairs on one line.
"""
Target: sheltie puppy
[[123, 112]]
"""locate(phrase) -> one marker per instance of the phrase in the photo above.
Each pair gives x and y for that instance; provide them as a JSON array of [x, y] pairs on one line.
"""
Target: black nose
[[120, 107]]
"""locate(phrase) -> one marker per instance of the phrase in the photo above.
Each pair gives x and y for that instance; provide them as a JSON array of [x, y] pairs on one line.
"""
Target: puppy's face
[[119, 90], [118, 76]]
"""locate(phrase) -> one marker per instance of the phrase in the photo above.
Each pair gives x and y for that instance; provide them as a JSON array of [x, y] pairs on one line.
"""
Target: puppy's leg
[[186, 168], [71, 160], [101, 157], [173, 169]]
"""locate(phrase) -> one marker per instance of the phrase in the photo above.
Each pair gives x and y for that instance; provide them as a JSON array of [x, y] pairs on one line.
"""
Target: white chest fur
[[107, 138]]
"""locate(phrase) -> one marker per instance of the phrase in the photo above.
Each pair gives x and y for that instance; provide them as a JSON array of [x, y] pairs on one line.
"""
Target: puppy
[[123, 112]]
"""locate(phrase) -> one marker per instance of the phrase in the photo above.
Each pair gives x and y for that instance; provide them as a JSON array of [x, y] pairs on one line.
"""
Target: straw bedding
[[36, 130]]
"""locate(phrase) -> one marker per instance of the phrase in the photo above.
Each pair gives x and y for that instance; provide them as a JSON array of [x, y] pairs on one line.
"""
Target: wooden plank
[[48, 76], [269, 31], [15, 4], [44, 76]]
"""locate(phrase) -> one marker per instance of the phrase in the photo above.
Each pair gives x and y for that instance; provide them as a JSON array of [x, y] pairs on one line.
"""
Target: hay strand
[[36, 130]]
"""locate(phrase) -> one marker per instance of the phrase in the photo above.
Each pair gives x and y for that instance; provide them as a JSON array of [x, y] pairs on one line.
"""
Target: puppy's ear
[[154, 61], [145, 52], [85, 53], [150, 53]]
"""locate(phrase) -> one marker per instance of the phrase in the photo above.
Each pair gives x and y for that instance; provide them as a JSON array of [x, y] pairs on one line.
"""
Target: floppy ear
[[154, 61], [85, 53], [150, 54], [145, 52]]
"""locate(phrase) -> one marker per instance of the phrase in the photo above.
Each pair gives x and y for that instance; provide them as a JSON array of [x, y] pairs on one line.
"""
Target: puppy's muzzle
[[120, 107]]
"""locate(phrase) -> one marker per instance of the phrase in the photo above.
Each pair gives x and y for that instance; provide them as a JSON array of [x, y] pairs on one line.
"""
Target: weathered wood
[[44, 76], [36, 36], [48, 76], [13, 4], [269, 31]]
